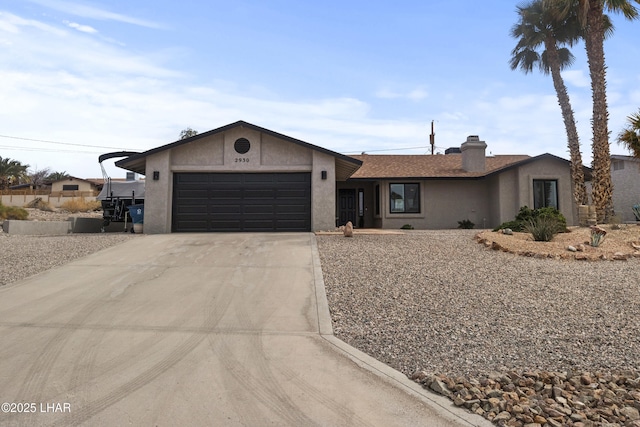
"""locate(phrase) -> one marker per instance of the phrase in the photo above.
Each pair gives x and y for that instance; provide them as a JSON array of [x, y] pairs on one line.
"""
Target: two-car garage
[[241, 202], [240, 177]]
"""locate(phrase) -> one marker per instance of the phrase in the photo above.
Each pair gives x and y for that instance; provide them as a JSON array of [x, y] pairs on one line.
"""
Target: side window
[[545, 193]]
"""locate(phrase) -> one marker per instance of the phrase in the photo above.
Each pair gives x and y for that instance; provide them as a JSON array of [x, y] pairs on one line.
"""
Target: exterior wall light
[[156, 175], [323, 174]]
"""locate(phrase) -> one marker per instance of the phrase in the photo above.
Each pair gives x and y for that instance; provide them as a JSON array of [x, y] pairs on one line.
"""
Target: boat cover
[[122, 190]]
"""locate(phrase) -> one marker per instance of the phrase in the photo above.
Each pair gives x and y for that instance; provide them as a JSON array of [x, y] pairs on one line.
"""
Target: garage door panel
[[292, 193], [225, 209], [193, 193], [225, 178], [242, 202], [223, 193], [192, 209], [259, 178], [256, 193]]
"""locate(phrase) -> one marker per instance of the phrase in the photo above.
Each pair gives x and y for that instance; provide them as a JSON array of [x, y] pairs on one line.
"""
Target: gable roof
[[624, 158], [345, 165], [448, 166], [71, 178]]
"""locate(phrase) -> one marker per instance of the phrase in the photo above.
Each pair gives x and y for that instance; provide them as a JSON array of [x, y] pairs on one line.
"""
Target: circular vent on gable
[[242, 145]]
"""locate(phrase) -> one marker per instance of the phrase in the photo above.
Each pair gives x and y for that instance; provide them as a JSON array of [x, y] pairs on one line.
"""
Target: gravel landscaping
[[24, 256], [437, 305], [521, 340]]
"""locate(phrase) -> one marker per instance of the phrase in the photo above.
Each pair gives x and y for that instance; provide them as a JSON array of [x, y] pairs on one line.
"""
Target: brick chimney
[[473, 154]]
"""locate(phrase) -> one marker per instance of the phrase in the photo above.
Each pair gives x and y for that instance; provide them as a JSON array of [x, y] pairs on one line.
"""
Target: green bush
[[407, 227], [543, 229], [12, 212], [466, 224], [526, 215]]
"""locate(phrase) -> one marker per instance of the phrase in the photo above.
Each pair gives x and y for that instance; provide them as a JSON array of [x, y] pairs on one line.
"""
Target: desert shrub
[[615, 222], [526, 215], [12, 212], [554, 214], [407, 227], [466, 224], [38, 203], [81, 205], [543, 229]]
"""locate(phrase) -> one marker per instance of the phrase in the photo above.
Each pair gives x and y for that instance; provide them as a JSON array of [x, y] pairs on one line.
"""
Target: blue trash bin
[[137, 217]]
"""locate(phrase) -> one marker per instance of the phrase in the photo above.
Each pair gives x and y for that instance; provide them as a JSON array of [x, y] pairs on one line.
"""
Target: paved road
[[193, 329]]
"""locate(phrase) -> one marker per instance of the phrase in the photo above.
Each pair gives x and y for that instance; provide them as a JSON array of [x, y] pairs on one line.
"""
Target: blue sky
[[96, 76]]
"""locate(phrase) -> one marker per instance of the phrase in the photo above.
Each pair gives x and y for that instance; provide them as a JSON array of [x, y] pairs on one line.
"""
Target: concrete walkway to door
[[198, 330]]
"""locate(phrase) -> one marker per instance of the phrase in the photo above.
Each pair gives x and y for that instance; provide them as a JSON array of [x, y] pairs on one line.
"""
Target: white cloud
[[93, 12], [416, 94], [60, 85], [578, 78], [82, 28], [11, 24]]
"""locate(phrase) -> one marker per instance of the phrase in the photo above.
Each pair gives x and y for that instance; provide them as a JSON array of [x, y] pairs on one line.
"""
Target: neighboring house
[[242, 177], [99, 182], [71, 186], [625, 175]]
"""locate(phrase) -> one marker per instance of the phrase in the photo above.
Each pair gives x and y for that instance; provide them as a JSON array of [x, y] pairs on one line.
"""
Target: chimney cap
[[473, 138]]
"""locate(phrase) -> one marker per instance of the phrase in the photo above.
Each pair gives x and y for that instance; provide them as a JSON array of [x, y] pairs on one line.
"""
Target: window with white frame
[[404, 198]]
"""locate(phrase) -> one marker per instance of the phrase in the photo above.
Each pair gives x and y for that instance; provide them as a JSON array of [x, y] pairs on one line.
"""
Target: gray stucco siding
[[626, 189], [216, 153]]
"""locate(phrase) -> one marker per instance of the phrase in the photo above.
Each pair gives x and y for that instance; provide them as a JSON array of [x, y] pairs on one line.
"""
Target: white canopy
[[123, 190]]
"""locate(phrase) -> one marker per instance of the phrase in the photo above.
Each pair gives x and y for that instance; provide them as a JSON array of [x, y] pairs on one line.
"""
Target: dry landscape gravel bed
[[24, 256], [521, 340], [444, 309]]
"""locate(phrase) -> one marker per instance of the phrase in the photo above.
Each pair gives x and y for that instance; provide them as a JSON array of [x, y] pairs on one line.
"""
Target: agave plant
[[597, 235]]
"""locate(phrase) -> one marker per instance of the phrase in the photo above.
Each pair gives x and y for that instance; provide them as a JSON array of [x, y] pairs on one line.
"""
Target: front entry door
[[347, 207]]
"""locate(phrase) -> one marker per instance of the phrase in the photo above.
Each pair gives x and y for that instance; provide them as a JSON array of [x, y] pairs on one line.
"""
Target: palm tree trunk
[[573, 141], [602, 192]]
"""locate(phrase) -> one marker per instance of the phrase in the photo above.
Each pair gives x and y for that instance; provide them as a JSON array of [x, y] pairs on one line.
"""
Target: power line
[[47, 150], [393, 149], [61, 143]]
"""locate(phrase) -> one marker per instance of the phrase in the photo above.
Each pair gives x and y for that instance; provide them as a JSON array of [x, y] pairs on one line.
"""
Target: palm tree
[[57, 176], [591, 13], [630, 136], [11, 172], [538, 27]]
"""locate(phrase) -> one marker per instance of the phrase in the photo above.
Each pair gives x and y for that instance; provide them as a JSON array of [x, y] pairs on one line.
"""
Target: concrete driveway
[[194, 329]]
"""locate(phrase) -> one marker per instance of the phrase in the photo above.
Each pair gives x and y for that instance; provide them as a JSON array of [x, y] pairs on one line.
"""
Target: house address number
[[242, 160]]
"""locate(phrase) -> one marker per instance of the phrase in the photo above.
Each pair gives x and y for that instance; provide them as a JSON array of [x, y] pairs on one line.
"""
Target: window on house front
[[404, 198], [545, 193], [69, 187], [618, 165]]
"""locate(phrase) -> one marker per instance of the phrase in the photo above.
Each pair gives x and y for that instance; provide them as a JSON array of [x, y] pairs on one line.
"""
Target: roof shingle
[[427, 166]]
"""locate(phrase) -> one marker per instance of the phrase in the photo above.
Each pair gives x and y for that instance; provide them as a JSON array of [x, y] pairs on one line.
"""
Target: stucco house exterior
[[72, 186], [625, 176], [242, 177]]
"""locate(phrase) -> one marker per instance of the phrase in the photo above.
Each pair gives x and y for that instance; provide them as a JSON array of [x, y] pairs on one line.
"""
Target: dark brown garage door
[[241, 202]]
